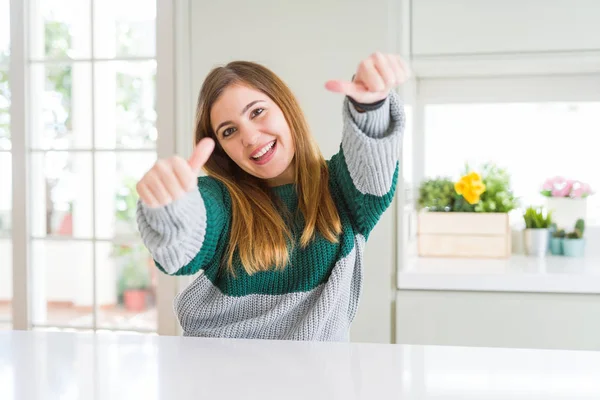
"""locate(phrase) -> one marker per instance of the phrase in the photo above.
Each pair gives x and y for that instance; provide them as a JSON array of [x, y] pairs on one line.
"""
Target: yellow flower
[[470, 187]]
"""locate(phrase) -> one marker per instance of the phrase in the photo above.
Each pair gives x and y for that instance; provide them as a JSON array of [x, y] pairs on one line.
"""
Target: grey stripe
[[324, 313], [173, 234], [371, 144]]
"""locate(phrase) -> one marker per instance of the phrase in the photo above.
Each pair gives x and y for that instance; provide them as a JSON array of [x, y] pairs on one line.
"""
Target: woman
[[277, 231]]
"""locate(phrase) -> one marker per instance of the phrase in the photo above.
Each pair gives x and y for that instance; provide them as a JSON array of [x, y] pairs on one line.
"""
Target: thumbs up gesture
[[374, 78], [170, 179]]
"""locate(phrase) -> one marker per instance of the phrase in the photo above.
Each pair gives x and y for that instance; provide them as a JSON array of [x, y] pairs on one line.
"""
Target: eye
[[257, 112], [228, 132]]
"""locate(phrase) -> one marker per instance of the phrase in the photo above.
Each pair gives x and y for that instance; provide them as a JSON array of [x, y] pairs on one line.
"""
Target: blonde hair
[[258, 231]]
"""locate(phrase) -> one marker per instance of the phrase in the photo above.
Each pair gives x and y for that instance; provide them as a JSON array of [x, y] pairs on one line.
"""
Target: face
[[253, 131]]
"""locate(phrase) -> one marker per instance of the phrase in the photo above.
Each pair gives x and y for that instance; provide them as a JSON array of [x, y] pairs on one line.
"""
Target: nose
[[250, 137]]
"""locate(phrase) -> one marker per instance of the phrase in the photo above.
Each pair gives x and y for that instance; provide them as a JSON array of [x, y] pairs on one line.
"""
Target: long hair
[[258, 231]]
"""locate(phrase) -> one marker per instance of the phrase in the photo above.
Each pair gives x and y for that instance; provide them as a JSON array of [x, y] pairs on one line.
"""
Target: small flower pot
[[556, 246], [536, 242], [135, 299], [574, 247]]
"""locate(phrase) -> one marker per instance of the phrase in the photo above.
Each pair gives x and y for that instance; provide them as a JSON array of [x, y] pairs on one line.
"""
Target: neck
[[286, 177]]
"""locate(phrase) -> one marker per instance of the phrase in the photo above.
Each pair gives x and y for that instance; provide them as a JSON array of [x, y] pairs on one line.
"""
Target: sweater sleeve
[[184, 236], [365, 170]]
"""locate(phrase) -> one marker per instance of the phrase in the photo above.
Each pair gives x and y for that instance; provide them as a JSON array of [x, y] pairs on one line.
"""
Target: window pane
[[5, 238], [407, 151], [61, 194], [60, 29], [126, 286], [6, 294], [60, 106], [4, 110], [116, 196], [4, 31], [62, 283], [533, 141], [124, 28], [5, 195], [125, 95]]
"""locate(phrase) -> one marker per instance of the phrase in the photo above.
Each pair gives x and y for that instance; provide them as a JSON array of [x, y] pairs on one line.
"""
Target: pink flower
[[577, 192], [561, 187], [548, 185], [561, 192]]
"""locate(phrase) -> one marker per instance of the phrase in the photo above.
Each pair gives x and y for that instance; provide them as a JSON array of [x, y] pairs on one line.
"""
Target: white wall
[[475, 27], [308, 43], [516, 320]]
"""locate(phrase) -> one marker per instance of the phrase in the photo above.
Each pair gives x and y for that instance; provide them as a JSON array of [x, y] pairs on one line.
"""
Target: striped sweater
[[315, 297]]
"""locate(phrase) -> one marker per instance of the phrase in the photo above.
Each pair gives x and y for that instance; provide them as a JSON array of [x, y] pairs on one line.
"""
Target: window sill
[[552, 274]]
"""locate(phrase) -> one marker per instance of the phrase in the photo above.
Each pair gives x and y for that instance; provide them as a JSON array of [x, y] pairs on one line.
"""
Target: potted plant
[[537, 230], [134, 278], [498, 196], [574, 242], [436, 194], [475, 221], [567, 199], [556, 242]]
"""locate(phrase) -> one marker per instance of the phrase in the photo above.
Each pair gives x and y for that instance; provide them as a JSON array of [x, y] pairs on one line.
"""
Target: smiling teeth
[[263, 151]]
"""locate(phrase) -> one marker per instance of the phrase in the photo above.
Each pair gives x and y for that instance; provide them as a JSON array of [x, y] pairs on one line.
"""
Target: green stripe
[[309, 267], [365, 209], [217, 203]]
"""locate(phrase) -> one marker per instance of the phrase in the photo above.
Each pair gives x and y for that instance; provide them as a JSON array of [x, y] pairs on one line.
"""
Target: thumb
[[203, 150], [345, 87]]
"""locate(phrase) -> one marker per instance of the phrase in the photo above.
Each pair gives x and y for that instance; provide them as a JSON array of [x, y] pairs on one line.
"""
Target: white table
[[44, 365]]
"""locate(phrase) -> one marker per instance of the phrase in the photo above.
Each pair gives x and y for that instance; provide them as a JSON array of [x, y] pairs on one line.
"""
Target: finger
[[169, 179], [384, 68], [146, 195], [158, 190], [397, 68], [201, 153], [370, 77], [187, 178], [345, 87], [404, 66]]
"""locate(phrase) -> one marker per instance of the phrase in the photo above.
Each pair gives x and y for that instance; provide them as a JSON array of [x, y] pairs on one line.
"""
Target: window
[[91, 116], [533, 140], [6, 170]]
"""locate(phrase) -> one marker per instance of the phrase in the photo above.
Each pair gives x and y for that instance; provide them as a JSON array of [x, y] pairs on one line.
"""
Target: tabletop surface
[[56, 365]]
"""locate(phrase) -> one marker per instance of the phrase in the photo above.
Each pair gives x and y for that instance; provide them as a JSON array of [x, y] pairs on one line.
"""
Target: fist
[[170, 179], [374, 78]]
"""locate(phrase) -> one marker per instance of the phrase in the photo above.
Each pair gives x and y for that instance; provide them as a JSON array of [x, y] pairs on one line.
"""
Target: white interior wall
[[477, 27], [499, 319]]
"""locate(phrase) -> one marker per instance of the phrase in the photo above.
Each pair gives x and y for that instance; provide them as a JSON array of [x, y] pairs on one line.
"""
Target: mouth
[[264, 155]]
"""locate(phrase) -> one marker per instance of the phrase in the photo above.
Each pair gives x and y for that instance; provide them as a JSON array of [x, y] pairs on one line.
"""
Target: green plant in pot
[[556, 242], [437, 195], [498, 196], [574, 242], [537, 230], [134, 277]]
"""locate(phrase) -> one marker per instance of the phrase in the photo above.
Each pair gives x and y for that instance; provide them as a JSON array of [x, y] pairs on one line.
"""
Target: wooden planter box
[[457, 234]]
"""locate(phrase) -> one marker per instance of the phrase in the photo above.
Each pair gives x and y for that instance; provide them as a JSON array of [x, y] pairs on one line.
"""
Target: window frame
[[20, 62]]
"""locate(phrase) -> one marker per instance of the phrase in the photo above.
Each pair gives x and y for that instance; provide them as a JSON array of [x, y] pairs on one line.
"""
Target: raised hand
[[171, 178], [374, 78]]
